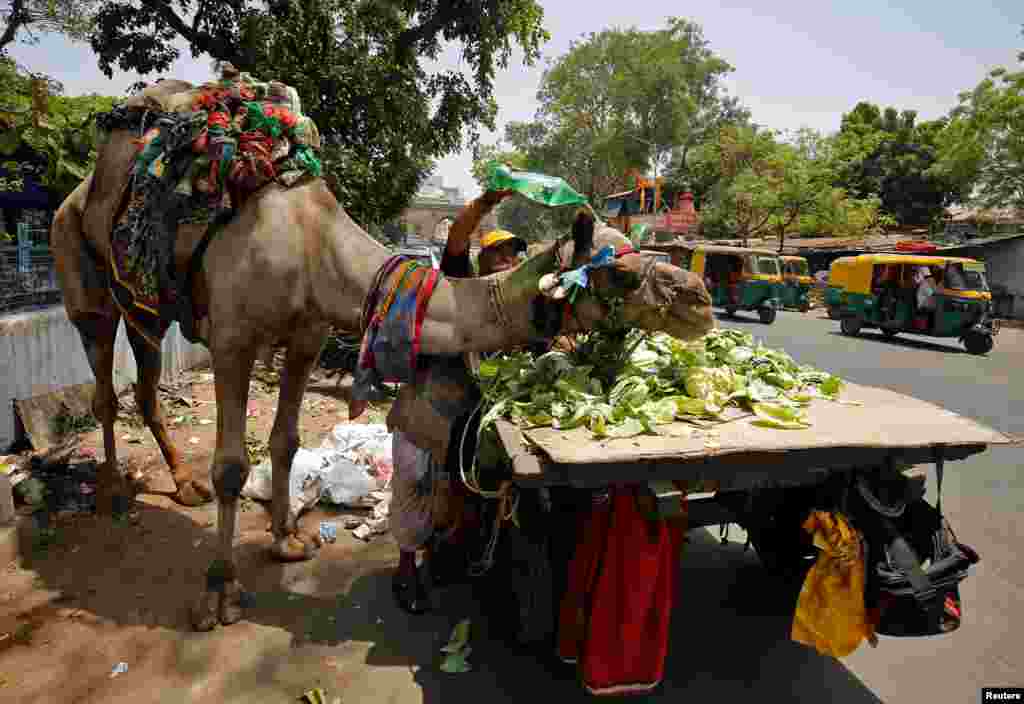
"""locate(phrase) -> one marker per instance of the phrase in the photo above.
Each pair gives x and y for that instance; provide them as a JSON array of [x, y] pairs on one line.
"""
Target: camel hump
[[169, 95]]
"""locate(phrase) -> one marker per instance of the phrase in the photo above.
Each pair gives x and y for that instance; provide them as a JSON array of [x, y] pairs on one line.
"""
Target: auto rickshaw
[[882, 291], [836, 289], [796, 283], [740, 279]]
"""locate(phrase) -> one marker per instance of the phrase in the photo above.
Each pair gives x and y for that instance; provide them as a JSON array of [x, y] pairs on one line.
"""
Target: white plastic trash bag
[[350, 465]]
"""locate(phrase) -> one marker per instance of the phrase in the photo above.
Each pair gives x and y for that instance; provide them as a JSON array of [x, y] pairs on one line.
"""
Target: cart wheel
[[978, 343], [767, 315], [850, 326]]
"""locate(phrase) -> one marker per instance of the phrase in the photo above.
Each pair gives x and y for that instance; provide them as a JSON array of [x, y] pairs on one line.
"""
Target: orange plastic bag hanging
[[830, 613]]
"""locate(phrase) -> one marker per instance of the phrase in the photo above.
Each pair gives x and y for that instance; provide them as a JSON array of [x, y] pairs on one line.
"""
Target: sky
[[797, 63]]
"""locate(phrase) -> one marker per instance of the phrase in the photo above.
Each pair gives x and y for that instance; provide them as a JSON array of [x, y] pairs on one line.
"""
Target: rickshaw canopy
[[861, 270]]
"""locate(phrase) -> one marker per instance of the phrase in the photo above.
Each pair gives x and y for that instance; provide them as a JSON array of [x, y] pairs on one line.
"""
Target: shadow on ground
[[110, 591], [903, 340]]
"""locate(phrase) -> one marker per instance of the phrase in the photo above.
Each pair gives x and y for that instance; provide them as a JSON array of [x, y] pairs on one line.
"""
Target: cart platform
[[879, 427]]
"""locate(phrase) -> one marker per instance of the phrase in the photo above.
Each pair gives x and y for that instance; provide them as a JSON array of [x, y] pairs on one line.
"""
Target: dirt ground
[[99, 591]]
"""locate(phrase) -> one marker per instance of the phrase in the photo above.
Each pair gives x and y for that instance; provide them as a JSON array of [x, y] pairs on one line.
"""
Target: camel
[[289, 265]]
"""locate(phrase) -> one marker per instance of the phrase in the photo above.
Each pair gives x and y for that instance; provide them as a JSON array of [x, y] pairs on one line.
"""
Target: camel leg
[[98, 333], [191, 492], [222, 595], [303, 350]]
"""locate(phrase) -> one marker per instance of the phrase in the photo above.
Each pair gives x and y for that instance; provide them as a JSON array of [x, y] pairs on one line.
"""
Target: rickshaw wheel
[[978, 343], [767, 315], [850, 326]]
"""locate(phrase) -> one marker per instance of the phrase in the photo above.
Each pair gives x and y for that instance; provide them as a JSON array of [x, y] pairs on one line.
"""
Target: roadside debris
[[457, 650], [119, 669], [349, 469]]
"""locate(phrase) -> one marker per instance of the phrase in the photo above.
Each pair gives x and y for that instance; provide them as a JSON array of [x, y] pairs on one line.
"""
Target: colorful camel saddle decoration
[[198, 167], [392, 321]]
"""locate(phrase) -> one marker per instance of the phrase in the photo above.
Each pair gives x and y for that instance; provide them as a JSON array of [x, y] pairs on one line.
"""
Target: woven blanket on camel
[[197, 167], [392, 321]]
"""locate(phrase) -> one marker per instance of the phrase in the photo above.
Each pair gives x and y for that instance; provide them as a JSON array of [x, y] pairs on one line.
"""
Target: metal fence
[[27, 275]]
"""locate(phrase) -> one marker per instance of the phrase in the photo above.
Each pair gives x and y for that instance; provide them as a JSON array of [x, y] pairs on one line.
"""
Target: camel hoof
[[191, 494], [295, 548], [231, 603], [205, 616]]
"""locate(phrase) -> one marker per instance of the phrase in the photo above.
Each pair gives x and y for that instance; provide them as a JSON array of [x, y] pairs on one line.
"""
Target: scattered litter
[[347, 469], [119, 669], [455, 663], [457, 649], [351, 522], [377, 522], [459, 638], [194, 440], [318, 696], [328, 531]]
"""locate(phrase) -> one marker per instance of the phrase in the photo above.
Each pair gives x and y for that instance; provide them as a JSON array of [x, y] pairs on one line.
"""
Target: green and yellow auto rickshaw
[[835, 291], [796, 283], [923, 295], [740, 279]]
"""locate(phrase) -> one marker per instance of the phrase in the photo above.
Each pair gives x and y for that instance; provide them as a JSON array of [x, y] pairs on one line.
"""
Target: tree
[[898, 169], [359, 67], [58, 128], [768, 185], [72, 18], [982, 147], [623, 99]]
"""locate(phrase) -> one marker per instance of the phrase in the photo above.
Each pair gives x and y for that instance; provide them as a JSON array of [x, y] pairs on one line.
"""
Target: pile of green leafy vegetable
[[629, 384]]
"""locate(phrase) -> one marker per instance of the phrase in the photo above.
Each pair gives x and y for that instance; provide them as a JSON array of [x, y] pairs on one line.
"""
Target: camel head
[[643, 293]]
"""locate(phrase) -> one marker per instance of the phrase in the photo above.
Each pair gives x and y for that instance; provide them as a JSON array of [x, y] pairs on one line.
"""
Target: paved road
[[983, 497]]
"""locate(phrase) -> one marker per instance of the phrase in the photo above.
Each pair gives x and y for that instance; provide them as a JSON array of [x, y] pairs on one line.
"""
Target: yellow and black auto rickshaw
[[836, 289], [796, 283], [740, 279], [923, 295]]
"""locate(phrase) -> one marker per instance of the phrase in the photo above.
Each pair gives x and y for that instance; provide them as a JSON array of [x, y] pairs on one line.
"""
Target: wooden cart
[[764, 479]]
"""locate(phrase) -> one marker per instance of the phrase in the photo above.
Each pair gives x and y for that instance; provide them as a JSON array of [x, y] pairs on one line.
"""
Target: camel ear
[[582, 238]]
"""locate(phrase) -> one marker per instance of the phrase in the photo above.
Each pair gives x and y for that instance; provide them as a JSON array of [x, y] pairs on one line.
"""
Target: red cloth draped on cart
[[614, 619]]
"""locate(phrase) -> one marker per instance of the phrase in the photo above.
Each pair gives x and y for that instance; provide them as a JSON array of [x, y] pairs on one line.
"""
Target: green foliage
[[898, 169], [623, 99], [360, 67], [982, 147], [23, 19], [764, 182], [64, 136]]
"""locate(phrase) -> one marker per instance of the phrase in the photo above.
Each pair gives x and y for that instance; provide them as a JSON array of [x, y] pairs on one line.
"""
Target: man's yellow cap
[[496, 237]]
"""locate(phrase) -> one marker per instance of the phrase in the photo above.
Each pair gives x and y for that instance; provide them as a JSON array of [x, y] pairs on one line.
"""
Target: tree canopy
[[622, 99], [25, 19], [898, 169], [982, 148], [360, 67]]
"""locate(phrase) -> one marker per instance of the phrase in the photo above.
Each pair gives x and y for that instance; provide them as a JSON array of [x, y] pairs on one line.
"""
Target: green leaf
[[778, 416]]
